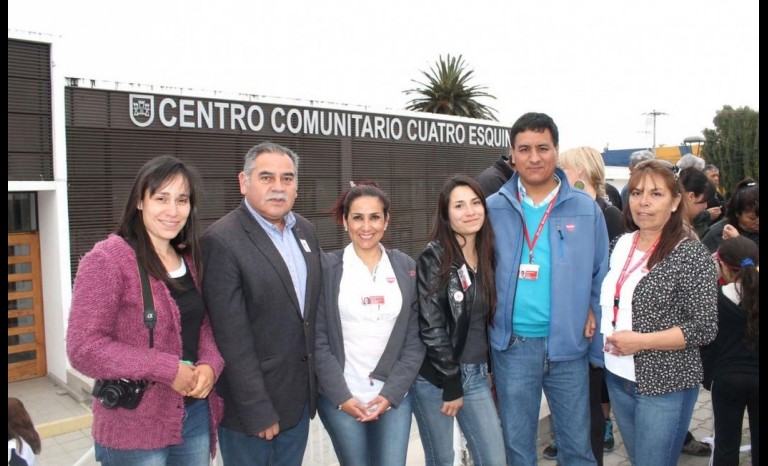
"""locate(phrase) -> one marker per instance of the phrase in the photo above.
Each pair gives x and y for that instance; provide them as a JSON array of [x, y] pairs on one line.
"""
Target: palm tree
[[447, 91]]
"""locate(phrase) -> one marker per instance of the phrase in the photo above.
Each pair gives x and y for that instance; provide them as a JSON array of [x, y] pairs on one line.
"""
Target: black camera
[[120, 393]]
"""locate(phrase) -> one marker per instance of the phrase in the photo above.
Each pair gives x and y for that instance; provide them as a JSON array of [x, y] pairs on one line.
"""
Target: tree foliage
[[447, 91], [734, 145]]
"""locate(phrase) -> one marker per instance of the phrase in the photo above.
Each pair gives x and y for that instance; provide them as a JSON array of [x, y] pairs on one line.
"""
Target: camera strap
[[150, 316]]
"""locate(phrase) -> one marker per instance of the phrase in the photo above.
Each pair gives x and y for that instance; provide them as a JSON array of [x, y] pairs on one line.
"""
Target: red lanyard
[[627, 271], [532, 244]]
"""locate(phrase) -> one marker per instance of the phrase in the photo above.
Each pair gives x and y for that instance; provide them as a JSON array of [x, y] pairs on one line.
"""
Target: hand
[[270, 432], [355, 408], [714, 212], [376, 407], [205, 381], [625, 342], [186, 379], [451, 408], [729, 231], [591, 326]]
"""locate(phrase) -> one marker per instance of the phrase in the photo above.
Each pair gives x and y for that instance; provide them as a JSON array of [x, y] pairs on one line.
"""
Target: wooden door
[[26, 332]]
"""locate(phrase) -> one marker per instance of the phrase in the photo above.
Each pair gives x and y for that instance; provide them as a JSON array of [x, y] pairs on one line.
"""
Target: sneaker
[[550, 452], [696, 448], [609, 444]]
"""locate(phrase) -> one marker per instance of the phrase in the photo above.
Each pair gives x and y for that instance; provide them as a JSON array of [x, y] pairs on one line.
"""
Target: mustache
[[277, 197]]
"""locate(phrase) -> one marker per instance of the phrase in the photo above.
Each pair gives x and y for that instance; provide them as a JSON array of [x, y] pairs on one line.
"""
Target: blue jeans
[[478, 420], [376, 443], [653, 427], [195, 451], [520, 374], [287, 449]]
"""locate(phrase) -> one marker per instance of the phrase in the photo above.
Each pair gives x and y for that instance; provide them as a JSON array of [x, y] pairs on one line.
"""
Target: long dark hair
[[742, 256], [154, 175], [442, 232], [746, 198], [673, 231], [20, 425]]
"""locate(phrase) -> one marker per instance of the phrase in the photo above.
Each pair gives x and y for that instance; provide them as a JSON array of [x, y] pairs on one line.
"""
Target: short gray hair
[[264, 148], [640, 156], [690, 160]]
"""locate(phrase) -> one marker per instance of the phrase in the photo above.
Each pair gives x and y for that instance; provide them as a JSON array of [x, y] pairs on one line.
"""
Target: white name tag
[[304, 245], [466, 282], [528, 272]]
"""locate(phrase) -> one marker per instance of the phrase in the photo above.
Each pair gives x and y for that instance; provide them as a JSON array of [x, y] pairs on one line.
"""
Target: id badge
[[466, 282], [528, 272], [370, 300]]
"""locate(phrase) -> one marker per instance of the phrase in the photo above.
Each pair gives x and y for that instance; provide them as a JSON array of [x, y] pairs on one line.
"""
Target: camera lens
[[111, 395]]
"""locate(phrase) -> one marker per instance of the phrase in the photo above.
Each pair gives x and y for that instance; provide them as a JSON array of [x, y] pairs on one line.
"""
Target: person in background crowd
[[659, 305], [613, 196], [690, 161], [173, 357], [716, 206], [368, 347], [742, 216], [262, 282], [732, 361], [698, 190], [550, 260], [586, 171], [456, 302], [493, 177], [23, 440], [634, 159]]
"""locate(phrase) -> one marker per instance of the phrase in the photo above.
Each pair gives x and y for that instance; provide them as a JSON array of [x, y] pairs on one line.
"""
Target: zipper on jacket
[[560, 250]]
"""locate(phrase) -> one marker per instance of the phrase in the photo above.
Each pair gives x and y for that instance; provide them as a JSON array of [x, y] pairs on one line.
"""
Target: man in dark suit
[[261, 283]]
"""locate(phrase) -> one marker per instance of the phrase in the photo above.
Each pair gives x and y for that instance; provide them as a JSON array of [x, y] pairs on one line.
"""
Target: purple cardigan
[[106, 339]]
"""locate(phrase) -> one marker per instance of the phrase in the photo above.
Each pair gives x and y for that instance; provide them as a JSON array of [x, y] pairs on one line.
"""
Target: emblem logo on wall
[[142, 109]]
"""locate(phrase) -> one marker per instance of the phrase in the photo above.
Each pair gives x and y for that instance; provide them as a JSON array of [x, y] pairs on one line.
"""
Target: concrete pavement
[[64, 424]]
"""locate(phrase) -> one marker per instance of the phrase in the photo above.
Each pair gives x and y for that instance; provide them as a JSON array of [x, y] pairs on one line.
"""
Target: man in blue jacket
[[551, 256]]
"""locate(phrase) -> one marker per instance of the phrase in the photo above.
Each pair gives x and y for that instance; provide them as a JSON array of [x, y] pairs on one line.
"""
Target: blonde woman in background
[[585, 170]]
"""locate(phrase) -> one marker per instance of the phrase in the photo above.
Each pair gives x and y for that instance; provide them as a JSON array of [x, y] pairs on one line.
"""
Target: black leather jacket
[[444, 317]]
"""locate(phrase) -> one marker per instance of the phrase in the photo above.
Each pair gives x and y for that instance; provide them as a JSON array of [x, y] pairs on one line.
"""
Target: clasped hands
[[195, 381], [366, 412]]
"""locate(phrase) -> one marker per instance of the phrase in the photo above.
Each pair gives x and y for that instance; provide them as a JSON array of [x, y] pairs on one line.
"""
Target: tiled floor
[[64, 425]]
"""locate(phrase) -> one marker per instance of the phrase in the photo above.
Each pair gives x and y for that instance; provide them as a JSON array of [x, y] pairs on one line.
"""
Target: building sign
[[177, 112]]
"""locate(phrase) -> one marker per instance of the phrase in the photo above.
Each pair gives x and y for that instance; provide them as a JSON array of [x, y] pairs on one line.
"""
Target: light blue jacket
[[579, 241]]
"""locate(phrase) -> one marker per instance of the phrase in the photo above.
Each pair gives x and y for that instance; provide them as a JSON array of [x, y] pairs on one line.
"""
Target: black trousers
[[597, 428], [731, 393]]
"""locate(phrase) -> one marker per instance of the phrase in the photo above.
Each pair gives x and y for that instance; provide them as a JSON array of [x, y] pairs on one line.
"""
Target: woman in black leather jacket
[[456, 301]]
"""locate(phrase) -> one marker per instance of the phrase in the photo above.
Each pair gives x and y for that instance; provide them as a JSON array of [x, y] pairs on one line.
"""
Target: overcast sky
[[595, 66]]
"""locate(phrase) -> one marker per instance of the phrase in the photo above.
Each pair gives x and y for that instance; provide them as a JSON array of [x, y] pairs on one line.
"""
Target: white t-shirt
[[623, 366], [24, 451], [369, 304]]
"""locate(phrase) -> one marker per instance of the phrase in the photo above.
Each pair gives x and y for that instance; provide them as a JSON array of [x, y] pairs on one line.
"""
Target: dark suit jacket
[[268, 347]]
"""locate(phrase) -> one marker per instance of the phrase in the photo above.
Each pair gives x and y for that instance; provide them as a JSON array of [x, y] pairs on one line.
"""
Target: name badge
[[370, 300], [304, 244], [528, 272], [464, 277]]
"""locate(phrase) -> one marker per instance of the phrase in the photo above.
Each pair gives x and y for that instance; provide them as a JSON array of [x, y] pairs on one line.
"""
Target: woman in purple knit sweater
[[173, 420]]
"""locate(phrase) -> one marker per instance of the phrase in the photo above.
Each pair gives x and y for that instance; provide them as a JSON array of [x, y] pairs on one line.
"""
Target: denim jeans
[[195, 451], [653, 427], [376, 443], [287, 449], [478, 420], [520, 374]]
